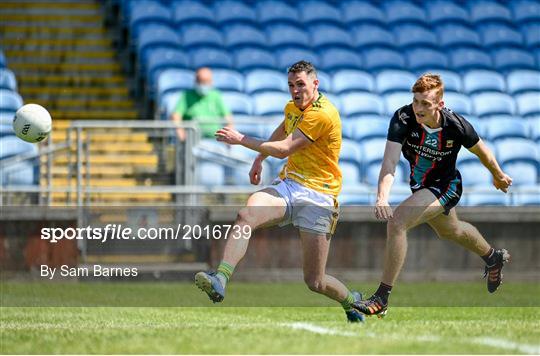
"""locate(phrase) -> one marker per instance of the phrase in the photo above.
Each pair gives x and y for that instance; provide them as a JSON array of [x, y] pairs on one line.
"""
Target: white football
[[32, 123]]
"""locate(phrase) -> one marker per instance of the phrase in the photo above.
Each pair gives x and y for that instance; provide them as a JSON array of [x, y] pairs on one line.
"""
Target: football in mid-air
[[32, 123]]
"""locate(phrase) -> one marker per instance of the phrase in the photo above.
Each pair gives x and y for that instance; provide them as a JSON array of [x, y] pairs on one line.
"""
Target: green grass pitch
[[156, 318]]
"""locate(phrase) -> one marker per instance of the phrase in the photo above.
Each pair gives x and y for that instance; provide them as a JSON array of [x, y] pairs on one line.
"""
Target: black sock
[[384, 292], [489, 257]]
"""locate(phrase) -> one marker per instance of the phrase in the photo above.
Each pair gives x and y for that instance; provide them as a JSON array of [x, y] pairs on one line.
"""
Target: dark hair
[[303, 66]]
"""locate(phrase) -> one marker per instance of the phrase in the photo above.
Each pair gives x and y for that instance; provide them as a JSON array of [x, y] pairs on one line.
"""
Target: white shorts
[[307, 209]]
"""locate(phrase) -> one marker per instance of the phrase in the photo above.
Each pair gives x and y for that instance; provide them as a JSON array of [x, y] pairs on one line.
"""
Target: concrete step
[[81, 91], [136, 160], [95, 115], [53, 18], [74, 42], [94, 182], [106, 171], [119, 198], [113, 68], [105, 138], [55, 55], [88, 104], [54, 80], [22, 5]]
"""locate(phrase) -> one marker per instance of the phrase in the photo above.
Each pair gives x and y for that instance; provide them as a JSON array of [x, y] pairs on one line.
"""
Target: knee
[[246, 217], [450, 232], [314, 284], [396, 225]]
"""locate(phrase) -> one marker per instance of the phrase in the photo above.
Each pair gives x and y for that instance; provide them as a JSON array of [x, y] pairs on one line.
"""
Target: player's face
[[303, 89], [426, 106]]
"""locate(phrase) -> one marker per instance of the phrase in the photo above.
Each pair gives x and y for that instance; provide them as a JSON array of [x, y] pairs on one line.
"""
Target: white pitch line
[[508, 345], [321, 330]]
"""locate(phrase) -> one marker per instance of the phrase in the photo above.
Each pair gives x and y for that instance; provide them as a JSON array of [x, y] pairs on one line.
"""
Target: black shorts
[[448, 194]]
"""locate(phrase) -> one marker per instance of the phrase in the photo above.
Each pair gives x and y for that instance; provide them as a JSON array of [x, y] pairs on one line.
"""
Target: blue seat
[[167, 103], [528, 195], [174, 80], [280, 35], [10, 100], [373, 151], [399, 11], [442, 11], [226, 79], [265, 80], [412, 35], [525, 10], [238, 103], [465, 157], [452, 80], [494, 198], [200, 35], [371, 35], [352, 80], [289, 56], [186, 12], [270, 103], [421, 59], [495, 35], [7, 79], [531, 33], [512, 58], [473, 173], [355, 11], [272, 11], [463, 59], [350, 173], [6, 117], [211, 57], [504, 128], [367, 127], [22, 173], [6, 130], [534, 126], [210, 174], [325, 82], [458, 102], [528, 104], [522, 173], [477, 81], [153, 36], [351, 151], [254, 58], [357, 198], [149, 12], [453, 35], [493, 104], [396, 100], [382, 58], [389, 81], [228, 11], [12, 146], [489, 11], [160, 59], [314, 11], [324, 36], [333, 59], [242, 35], [517, 150], [248, 128], [357, 103], [373, 170], [3, 61]]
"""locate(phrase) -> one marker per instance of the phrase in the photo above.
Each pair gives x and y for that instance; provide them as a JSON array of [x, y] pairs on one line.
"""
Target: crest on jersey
[[403, 117], [449, 143]]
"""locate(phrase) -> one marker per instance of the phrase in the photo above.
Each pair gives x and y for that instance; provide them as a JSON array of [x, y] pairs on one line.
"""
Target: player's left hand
[[502, 182], [229, 135]]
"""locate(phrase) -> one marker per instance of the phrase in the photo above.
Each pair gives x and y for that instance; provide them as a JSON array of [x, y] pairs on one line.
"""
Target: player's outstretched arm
[[255, 173], [392, 152], [501, 181]]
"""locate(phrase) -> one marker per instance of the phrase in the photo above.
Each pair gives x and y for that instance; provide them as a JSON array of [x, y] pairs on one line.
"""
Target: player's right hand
[[383, 210], [502, 183], [255, 172]]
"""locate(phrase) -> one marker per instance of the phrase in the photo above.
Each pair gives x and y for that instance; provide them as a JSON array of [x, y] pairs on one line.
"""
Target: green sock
[[224, 272], [346, 303]]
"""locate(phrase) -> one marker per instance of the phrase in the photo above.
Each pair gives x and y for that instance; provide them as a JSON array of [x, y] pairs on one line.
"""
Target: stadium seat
[[389, 81], [324, 36], [494, 198], [525, 10], [314, 11], [517, 150], [367, 127], [463, 59], [160, 59], [200, 35], [3, 61], [373, 151], [167, 103], [268, 104], [371, 35], [373, 170], [528, 104], [489, 11], [355, 11], [289, 56], [527, 195], [350, 173], [531, 33], [422, 59], [228, 11], [477, 81], [12, 146], [226, 79], [242, 35], [355, 199], [22, 173], [153, 36], [400, 11], [334, 99], [452, 80], [9, 100], [506, 59], [459, 103], [272, 11], [325, 82], [238, 103], [493, 104], [413, 36], [396, 100], [186, 12], [7, 79], [6, 130], [265, 80], [6, 117], [495, 35], [254, 58], [502, 128], [351, 151], [333, 59], [352, 80], [280, 35], [442, 11], [250, 128], [149, 12], [534, 128], [174, 80], [522, 173], [383, 58], [211, 57], [473, 173], [210, 174], [356, 103], [465, 157], [453, 35]]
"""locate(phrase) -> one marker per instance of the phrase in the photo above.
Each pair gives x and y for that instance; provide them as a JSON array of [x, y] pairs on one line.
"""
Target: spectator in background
[[204, 104]]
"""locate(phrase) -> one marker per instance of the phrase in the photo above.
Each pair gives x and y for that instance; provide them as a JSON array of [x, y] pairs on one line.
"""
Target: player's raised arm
[[391, 156], [501, 181], [255, 173]]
